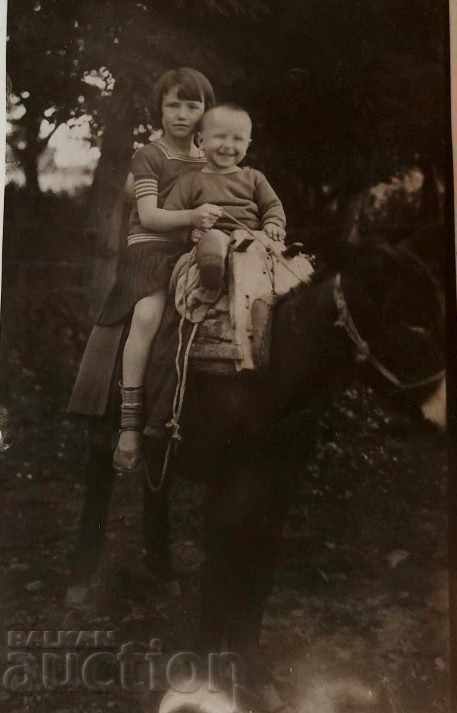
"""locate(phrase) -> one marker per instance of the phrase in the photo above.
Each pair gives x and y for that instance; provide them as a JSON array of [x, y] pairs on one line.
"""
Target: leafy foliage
[[343, 95]]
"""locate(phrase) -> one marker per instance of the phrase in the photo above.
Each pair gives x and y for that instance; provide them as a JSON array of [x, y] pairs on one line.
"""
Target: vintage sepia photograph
[[228, 286]]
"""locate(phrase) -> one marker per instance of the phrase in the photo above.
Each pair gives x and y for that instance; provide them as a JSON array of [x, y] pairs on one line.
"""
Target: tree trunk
[[34, 146], [107, 212], [28, 158]]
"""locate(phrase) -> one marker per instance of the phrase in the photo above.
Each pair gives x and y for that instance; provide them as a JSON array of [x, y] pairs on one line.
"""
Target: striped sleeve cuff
[[280, 222], [145, 187]]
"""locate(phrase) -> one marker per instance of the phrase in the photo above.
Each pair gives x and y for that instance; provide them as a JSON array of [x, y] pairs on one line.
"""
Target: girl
[[180, 98]]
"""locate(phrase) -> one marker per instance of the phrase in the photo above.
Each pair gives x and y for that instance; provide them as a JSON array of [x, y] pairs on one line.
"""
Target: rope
[[363, 352], [178, 402], [180, 391]]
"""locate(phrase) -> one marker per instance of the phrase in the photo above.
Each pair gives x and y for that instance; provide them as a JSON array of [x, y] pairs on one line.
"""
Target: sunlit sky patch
[[72, 145]]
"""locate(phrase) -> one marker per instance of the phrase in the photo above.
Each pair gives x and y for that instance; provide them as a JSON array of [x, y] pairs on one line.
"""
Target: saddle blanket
[[235, 326]]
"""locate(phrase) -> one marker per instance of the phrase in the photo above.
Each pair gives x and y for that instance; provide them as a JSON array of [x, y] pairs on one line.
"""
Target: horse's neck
[[309, 353]]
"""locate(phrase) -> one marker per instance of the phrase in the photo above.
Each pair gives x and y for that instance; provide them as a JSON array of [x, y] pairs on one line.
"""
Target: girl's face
[[180, 117]]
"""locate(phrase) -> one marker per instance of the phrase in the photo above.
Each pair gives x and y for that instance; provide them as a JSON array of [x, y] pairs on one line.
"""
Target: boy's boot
[[127, 460], [212, 251]]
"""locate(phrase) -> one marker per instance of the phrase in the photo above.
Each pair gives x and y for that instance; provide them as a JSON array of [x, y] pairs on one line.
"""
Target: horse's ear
[[368, 263], [331, 248], [368, 251], [345, 253], [332, 251]]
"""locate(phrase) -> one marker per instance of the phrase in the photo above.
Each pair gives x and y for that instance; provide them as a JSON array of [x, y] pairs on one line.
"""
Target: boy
[[242, 193]]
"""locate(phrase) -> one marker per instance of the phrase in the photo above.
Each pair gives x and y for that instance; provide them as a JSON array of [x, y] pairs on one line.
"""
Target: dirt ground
[[358, 617]]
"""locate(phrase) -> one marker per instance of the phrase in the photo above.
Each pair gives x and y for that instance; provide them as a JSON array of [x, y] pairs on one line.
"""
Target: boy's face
[[225, 138]]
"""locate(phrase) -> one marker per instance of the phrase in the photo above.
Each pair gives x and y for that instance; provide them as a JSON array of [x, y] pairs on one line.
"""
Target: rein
[[363, 351]]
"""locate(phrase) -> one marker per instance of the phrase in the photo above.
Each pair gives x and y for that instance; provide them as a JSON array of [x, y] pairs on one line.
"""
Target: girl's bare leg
[[146, 320]]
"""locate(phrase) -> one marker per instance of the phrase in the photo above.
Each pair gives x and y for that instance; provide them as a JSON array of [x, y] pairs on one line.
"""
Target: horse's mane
[[368, 257]]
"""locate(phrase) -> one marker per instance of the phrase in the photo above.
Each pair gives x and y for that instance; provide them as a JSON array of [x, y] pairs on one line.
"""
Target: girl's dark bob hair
[[191, 84]]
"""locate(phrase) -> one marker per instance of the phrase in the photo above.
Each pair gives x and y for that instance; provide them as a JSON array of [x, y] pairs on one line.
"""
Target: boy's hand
[[206, 215], [196, 235], [275, 232]]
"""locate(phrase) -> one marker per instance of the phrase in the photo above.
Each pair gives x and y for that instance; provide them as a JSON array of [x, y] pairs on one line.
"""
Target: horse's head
[[392, 309]]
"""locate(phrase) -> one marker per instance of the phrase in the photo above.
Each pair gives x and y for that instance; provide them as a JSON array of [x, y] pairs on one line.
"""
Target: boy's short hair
[[231, 106], [192, 85]]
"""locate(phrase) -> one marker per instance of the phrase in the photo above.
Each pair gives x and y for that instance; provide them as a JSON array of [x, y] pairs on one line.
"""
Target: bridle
[[363, 351]]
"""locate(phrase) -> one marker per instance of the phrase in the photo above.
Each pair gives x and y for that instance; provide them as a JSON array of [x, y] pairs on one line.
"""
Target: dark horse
[[385, 296]]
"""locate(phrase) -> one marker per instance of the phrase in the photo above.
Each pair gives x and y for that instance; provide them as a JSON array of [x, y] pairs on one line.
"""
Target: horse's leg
[[260, 548], [97, 496], [244, 523]]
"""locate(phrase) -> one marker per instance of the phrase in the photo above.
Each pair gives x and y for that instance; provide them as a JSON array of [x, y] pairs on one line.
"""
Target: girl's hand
[[206, 215], [275, 232]]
